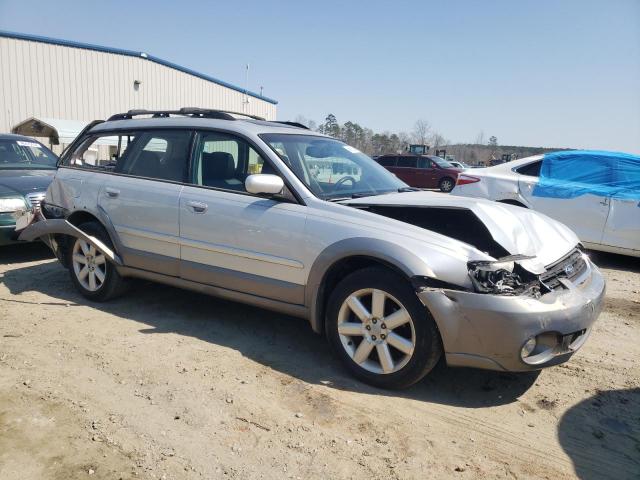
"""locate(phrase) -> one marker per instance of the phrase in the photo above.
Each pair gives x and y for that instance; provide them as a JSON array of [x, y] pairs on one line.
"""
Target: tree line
[[377, 143]]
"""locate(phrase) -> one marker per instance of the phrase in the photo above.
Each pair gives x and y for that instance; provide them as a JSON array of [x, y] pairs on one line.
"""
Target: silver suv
[[275, 215]]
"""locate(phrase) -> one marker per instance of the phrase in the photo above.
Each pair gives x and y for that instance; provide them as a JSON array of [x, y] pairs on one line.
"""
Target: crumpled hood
[[21, 182], [518, 230]]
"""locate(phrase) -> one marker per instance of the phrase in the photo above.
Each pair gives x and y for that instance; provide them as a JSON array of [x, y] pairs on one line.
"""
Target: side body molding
[[60, 226], [380, 250]]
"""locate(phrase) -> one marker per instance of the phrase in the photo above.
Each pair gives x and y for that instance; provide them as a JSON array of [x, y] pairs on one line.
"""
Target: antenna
[[246, 87]]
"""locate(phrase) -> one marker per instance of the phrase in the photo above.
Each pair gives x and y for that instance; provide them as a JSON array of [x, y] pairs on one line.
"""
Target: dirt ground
[[164, 383]]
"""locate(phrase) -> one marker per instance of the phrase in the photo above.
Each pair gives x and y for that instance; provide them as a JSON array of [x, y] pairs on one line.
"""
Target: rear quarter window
[[530, 169]]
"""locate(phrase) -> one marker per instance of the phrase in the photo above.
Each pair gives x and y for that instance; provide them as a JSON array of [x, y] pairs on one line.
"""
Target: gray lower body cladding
[[489, 331]]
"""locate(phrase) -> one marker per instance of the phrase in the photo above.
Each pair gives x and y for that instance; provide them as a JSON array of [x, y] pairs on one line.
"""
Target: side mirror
[[264, 184]]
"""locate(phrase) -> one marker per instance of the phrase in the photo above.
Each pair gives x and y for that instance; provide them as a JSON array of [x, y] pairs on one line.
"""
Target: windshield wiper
[[355, 195], [408, 189]]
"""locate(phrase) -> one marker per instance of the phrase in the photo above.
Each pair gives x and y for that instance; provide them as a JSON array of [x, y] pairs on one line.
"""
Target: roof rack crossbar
[[187, 111]]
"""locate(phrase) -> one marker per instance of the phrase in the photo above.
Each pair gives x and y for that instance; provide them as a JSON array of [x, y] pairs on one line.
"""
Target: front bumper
[[8, 235], [489, 331]]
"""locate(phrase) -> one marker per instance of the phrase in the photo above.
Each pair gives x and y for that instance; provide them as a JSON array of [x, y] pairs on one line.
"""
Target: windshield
[[332, 169], [442, 163], [25, 154]]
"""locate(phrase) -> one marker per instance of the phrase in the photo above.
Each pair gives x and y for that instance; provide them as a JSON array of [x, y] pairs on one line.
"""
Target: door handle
[[197, 207], [112, 192]]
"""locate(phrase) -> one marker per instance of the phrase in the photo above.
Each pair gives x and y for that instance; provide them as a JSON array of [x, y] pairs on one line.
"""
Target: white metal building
[[61, 83]]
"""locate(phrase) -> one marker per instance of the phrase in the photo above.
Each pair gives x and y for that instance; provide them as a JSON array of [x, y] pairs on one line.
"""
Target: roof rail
[[293, 124], [188, 111]]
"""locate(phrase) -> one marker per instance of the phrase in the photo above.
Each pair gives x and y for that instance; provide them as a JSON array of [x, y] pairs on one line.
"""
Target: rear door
[[141, 198], [407, 171], [233, 239], [586, 214], [622, 229]]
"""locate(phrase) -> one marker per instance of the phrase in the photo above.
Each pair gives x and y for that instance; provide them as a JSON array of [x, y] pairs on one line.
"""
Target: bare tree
[[480, 138], [437, 140], [405, 140], [301, 119], [421, 130]]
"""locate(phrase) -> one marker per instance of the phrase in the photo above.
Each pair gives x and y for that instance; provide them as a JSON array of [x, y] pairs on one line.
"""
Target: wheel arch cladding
[[349, 255]]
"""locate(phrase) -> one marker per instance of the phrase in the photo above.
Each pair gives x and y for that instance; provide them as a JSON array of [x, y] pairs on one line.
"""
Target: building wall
[[53, 81]]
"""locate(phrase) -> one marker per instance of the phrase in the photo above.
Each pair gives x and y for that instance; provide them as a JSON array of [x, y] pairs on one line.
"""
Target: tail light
[[465, 179]]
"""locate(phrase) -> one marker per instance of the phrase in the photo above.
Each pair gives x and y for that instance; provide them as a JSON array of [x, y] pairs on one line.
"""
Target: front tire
[[379, 329], [446, 184], [91, 273]]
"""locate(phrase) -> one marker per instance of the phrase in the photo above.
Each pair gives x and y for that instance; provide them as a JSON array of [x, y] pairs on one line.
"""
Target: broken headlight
[[500, 277]]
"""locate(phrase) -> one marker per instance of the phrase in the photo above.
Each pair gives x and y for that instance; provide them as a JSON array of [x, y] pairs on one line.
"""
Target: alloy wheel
[[447, 185], [376, 331], [89, 265]]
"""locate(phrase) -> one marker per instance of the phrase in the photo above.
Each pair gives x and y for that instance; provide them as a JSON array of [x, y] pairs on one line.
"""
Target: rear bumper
[[489, 331]]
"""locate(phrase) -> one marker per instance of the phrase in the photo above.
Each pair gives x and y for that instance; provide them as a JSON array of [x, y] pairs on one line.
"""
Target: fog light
[[528, 347]]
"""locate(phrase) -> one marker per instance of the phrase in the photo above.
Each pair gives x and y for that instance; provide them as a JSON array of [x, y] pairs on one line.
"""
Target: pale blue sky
[[561, 73]]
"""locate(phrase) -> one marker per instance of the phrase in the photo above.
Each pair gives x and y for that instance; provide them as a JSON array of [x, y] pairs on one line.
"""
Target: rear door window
[[408, 162], [161, 155]]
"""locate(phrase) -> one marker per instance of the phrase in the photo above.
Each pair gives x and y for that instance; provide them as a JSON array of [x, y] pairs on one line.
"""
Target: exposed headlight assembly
[[12, 204], [498, 276]]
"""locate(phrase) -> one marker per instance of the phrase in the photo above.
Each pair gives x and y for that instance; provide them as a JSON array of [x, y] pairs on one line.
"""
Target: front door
[[622, 229], [585, 214], [429, 173], [235, 240], [141, 199]]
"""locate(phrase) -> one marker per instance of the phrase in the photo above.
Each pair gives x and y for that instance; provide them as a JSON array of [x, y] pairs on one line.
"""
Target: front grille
[[34, 199], [570, 267]]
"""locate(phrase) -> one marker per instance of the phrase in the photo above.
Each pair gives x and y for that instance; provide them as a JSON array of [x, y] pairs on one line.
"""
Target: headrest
[[217, 166]]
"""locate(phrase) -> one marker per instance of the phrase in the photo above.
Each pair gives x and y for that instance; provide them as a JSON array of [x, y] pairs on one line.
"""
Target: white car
[[460, 165], [596, 194]]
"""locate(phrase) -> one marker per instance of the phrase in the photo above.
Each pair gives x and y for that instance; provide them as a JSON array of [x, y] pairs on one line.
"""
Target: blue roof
[[131, 53]]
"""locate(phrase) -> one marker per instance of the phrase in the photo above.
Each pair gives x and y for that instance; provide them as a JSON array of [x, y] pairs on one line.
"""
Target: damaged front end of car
[[524, 298], [504, 277]]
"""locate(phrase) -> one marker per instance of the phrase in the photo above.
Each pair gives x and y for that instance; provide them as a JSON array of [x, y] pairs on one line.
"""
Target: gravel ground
[[164, 383]]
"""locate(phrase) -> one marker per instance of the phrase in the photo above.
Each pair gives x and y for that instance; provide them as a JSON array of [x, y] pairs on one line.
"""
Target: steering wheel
[[343, 180]]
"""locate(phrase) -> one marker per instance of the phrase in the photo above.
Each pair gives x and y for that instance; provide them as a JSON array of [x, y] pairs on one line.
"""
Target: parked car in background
[[460, 165], [26, 170], [596, 194], [394, 277], [421, 171]]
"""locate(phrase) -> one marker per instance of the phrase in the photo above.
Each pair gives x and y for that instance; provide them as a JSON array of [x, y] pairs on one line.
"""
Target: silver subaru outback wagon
[[274, 215]]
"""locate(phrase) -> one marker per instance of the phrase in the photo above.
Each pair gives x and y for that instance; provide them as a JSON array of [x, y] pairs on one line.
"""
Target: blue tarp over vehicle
[[574, 173]]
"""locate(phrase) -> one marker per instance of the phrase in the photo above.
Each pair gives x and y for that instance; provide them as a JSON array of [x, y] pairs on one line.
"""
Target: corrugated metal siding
[[43, 80]]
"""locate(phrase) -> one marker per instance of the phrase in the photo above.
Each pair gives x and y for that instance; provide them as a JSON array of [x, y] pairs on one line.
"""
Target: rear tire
[[393, 341], [93, 275], [446, 184]]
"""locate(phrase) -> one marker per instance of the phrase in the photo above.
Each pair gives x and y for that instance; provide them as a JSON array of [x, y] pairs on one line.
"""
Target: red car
[[421, 171]]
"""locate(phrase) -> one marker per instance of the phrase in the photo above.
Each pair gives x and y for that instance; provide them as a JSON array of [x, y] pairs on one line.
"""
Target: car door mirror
[[264, 184]]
